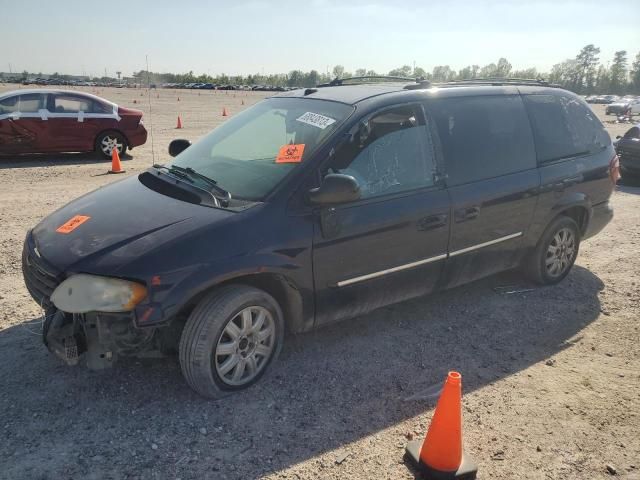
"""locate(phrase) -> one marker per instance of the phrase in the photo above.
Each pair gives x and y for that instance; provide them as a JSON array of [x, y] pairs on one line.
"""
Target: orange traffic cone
[[178, 98], [179, 125], [441, 455], [158, 96], [135, 101], [115, 162], [224, 112], [242, 102]]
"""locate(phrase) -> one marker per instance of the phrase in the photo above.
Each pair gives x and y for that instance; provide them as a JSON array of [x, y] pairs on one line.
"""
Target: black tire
[[207, 327], [536, 267], [108, 137]]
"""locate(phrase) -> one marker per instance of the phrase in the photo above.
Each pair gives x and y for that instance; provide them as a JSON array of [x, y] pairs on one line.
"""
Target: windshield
[[252, 152]]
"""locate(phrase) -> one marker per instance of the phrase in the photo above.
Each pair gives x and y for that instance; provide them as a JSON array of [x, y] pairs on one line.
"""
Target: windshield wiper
[[189, 173]]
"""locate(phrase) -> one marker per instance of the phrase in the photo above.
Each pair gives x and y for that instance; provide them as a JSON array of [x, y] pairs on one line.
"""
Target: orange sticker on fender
[[290, 153], [72, 224]]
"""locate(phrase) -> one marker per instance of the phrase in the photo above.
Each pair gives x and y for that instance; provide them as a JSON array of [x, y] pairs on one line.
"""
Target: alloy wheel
[[109, 142], [245, 346], [561, 252]]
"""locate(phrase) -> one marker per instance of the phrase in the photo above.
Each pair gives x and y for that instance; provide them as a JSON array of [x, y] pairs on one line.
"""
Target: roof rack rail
[[338, 82], [502, 81]]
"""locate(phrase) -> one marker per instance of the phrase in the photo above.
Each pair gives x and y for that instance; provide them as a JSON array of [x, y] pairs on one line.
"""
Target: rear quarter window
[[483, 137], [564, 127]]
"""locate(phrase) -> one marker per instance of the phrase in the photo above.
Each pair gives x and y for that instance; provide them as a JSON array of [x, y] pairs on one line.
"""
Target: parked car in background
[[48, 121], [624, 106], [605, 99], [591, 99], [364, 195], [628, 148]]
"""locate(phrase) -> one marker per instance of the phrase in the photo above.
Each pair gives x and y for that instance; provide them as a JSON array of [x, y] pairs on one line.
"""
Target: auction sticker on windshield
[[290, 153], [71, 224], [316, 120]]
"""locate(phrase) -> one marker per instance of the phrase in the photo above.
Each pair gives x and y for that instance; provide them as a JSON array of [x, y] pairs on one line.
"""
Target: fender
[[278, 274], [574, 201]]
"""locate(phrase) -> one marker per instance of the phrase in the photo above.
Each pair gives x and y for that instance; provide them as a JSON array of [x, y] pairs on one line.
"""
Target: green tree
[[404, 71], [564, 73], [295, 78], [361, 72], [338, 71], [311, 79], [419, 72], [618, 72], [443, 73], [635, 74], [586, 63], [526, 73]]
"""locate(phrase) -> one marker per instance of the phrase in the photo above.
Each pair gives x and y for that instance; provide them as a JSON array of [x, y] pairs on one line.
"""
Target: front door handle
[[433, 221], [467, 213]]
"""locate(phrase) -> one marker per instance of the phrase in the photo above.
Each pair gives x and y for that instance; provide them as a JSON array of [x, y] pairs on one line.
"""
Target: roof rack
[[502, 81], [415, 82]]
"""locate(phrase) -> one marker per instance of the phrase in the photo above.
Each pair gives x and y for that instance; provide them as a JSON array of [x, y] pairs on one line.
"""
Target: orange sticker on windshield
[[290, 153], [72, 224]]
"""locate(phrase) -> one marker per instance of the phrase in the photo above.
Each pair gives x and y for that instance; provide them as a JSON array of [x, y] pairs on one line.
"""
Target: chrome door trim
[[485, 244], [351, 281], [406, 266]]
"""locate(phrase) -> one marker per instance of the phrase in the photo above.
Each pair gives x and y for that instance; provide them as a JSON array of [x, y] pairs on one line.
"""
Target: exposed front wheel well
[[278, 286]]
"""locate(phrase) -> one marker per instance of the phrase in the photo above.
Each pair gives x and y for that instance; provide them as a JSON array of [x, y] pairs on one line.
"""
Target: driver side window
[[390, 153]]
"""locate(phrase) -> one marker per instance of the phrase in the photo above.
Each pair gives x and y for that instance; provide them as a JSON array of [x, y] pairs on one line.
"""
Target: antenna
[[153, 152]]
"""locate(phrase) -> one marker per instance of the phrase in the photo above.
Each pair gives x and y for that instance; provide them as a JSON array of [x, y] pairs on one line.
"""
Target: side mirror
[[178, 146], [336, 188]]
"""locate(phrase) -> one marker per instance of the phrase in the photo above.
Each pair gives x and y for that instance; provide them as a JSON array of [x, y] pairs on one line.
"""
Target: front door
[[489, 159], [23, 124], [391, 244]]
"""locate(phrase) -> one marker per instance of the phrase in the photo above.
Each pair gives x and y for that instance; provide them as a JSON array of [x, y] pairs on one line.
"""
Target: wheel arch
[[279, 286], [104, 130]]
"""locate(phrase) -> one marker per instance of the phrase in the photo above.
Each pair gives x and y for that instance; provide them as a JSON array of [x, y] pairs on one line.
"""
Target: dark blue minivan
[[314, 206]]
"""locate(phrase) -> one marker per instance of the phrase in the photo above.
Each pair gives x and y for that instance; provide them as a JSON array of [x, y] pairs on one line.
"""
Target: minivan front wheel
[[230, 339], [555, 253]]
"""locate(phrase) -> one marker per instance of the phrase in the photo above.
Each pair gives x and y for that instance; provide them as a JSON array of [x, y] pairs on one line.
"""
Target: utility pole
[[10, 71]]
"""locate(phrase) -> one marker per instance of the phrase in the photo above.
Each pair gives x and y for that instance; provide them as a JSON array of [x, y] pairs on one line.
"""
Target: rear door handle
[[433, 221], [467, 213]]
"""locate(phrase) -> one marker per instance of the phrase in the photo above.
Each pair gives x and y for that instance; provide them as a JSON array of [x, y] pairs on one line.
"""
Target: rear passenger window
[[564, 127], [483, 137], [70, 104]]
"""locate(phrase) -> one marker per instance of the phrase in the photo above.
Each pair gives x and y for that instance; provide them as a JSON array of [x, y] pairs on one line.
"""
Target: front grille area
[[40, 278]]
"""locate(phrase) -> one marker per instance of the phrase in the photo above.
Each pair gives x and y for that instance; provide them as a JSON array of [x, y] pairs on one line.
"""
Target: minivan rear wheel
[[230, 339], [555, 253]]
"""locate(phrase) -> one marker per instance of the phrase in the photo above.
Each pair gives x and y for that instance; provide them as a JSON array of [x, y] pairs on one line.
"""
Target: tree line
[[585, 74]]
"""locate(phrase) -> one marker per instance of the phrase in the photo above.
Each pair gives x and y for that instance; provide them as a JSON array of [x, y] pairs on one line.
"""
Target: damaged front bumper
[[98, 339]]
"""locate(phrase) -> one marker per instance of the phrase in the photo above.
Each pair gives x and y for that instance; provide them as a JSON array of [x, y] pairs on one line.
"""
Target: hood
[[116, 224]]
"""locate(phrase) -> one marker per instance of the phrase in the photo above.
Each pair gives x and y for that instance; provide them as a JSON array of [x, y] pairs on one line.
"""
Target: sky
[[242, 37]]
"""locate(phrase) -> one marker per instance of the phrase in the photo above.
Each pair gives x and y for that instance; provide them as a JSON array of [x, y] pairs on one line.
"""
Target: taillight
[[614, 169]]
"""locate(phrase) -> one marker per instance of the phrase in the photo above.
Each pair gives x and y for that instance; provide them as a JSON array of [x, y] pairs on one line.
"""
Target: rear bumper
[[137, 137], [601, 215]]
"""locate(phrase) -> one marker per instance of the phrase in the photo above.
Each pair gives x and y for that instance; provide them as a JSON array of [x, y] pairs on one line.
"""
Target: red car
[[49, 121]]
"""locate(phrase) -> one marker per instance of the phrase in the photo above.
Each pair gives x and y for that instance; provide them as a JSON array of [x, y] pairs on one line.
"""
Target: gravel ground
[[551, 376]]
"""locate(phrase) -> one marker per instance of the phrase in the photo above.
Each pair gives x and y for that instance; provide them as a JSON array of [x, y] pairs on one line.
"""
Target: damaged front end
[[97, 338]]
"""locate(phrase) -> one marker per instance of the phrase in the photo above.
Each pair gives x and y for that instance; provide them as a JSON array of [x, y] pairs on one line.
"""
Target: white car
[[622, 106]]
